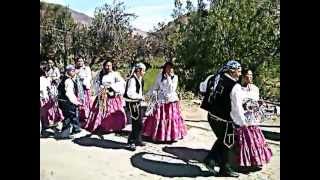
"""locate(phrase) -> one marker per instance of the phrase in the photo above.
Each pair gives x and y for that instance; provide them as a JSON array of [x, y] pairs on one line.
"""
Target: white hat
[[70, 67], [140, 65]]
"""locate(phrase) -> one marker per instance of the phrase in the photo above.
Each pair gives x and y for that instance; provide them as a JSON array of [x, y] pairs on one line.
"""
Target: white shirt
[[112, 79], [69, 87], [44, 86], [203, 85], [166, 89], [53, 74], [131, 92], [237, 112], [251, 91], [85, 76]]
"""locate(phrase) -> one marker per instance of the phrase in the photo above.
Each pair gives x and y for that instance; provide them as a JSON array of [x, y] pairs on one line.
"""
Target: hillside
[[82, 18]]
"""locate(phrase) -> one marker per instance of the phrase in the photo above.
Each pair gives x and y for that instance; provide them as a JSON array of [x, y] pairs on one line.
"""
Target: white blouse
[[238, 95], [112, 79], [251, 91], [237, 111], [85, 76], [44, 87], [53, 74], [165, 89]]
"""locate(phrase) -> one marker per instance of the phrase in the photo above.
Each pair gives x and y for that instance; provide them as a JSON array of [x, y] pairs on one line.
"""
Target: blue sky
[[149, 12]]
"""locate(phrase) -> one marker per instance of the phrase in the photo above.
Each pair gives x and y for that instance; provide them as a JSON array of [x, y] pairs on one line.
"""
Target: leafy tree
[[245, 30], [109, 33]]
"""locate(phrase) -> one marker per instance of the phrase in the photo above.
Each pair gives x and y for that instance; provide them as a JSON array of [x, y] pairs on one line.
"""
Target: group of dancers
[[230, 98], [71, 102]]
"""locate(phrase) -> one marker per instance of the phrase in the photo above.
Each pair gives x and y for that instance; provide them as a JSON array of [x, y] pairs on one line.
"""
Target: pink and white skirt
[[85, 110], [165, 124], [50, 113], [251, 147], [111, 120]]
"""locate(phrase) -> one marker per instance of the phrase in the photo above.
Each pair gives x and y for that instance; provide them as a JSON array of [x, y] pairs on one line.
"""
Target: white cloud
[[151, 8], [147, 23], [150, 15]]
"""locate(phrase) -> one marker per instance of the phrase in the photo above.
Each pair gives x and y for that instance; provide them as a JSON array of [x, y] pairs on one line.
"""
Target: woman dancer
[[84, 78], [50, 114], [251, 147], [107, 113], [165, 124]]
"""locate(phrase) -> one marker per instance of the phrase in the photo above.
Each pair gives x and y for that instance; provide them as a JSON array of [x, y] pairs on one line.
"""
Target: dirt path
[[91, 158]]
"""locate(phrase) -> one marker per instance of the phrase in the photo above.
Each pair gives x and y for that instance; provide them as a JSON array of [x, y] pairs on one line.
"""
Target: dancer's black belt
[[228, 139]]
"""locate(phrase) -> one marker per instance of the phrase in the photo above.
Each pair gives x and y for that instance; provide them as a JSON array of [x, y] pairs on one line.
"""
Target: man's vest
[[137, 86], [220, 102], [62, 89]]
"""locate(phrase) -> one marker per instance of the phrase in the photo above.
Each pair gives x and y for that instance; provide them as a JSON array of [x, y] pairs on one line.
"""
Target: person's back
[[222, 103]]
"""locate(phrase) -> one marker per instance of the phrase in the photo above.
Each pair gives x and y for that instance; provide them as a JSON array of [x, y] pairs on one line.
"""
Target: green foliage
[[56, 24], [150, 78], [109, 35], [199, 40], [151, 73], [245, 30]]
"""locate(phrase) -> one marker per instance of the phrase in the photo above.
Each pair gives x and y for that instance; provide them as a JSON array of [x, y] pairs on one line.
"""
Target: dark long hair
[[43, 70], [168, 63], [103, 71], [244, 71]]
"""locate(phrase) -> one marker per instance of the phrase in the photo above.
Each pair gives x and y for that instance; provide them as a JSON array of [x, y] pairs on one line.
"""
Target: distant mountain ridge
[[81, 17], [86, 20]]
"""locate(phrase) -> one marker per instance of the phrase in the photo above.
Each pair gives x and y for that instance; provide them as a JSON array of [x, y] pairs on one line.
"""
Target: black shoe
[[76, 131], [210, 164], [61, 137], [228, 173], [255, 168], [46, 133], [64, 134], [55, 129], [243, 170], [131, 147], [140, 143]]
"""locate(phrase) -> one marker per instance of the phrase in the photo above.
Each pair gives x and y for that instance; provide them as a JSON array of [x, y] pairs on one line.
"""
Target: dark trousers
[[136, 119], [219, 151], [71, 117]]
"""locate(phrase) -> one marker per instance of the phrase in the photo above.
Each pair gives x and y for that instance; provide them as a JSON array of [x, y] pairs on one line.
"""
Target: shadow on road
[[187, 154], [275, 136], [166, 169], [102, 143]]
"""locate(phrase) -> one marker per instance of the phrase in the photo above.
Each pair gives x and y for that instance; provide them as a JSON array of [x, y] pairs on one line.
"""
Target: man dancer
[[69, 103], [133, 97], [221, 102]]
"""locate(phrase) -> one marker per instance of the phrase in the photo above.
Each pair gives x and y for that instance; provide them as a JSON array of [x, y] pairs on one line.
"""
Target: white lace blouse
[[112, 79], [165, 88]]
